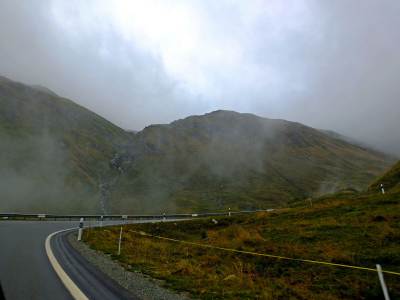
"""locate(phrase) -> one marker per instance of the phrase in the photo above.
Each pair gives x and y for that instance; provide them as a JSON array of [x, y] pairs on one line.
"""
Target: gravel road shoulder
[[137, 283]]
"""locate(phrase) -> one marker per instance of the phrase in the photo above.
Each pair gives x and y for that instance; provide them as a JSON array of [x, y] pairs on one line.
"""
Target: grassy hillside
[[345, 228], [57, 156], [390, 180], [54, 153], [227, 159]]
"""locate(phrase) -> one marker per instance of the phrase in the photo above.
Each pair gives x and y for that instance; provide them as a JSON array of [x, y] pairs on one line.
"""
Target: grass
[[346, 228], [390, 180], [58, 154], [226, 159], [54, 153]]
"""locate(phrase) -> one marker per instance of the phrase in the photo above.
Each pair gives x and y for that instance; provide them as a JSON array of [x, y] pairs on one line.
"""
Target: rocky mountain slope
[[57, 156], [227, 159], [54, 153]]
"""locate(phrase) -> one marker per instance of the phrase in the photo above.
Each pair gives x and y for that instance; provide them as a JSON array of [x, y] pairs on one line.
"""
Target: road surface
[[25, 270]]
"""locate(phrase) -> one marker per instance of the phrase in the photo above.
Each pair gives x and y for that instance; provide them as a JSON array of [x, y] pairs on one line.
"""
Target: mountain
[[44, 90], [57, 156], [54, 153], [345, 138], [228, 159]]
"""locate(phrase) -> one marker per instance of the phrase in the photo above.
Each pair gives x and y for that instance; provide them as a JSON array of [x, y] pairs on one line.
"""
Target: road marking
[[72, 288]]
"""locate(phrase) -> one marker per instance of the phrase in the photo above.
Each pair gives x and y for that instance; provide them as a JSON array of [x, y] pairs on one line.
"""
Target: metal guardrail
[[18, 216]]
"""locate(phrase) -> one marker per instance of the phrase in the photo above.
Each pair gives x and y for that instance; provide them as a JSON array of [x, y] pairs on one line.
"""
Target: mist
[[331, 65], [37, 183]]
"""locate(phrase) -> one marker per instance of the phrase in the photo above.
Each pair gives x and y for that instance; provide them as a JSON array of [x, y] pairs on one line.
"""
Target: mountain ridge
[[213, 161], [218, 146]]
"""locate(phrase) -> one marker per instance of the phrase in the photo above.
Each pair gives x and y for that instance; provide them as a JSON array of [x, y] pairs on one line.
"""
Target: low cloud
[[331, 65]]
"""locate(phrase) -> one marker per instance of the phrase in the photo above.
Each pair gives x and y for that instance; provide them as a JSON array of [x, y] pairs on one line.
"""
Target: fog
[[328, 64], [33, 174]]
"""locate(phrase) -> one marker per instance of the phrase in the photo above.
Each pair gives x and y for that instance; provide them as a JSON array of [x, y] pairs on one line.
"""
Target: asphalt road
[[92, 282], [25, 271]]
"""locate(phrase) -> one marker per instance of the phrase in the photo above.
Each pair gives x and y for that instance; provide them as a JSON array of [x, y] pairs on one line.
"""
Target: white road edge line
[[72, 288]]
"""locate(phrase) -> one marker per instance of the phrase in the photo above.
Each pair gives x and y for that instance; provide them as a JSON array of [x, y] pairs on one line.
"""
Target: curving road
[[25, 270], [92, 282]]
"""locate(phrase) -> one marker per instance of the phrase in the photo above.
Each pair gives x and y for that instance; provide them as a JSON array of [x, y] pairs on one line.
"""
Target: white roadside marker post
[[164, 217], [125, 218], [119, 242], [382, 189], [382, 281], [80, 229], [229, 213], [101, 221], [42, 216]]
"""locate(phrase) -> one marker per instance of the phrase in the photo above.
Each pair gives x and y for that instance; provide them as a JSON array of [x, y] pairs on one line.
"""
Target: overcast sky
[[328, 64]]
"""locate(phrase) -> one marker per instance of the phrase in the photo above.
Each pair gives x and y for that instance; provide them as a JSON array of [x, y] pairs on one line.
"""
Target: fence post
[[382, 281], [382, 189], [119, 242]]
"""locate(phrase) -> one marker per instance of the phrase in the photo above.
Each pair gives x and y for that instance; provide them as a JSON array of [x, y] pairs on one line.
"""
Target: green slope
[[359, 230], [60, 157], [390, 180], [227, 159], [54, 153]]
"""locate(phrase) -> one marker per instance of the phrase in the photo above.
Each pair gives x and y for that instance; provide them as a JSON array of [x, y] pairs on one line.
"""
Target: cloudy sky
[[328, 64]]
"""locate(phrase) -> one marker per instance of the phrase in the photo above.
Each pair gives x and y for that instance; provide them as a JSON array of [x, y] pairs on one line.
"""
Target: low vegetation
[[227, 159], [58, 157], [390, 180], [345, 228], [54, 153]]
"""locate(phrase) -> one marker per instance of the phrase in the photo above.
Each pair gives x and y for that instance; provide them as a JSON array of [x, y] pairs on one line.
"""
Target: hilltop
[[228, 159], [58, 156]]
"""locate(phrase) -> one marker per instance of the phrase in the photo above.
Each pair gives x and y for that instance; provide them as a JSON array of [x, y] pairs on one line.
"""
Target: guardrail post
[[382, 281], [80, 229]]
